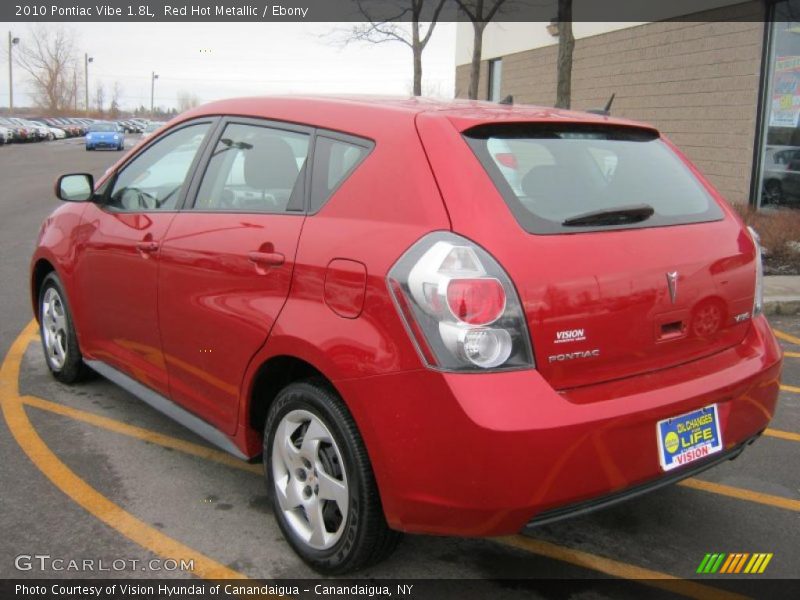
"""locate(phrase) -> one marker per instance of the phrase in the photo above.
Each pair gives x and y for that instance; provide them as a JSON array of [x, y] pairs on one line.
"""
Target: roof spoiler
[[606, 112]]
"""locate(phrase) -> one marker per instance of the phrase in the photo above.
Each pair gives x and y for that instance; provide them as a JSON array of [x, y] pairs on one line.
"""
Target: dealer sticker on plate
[[688, 437]]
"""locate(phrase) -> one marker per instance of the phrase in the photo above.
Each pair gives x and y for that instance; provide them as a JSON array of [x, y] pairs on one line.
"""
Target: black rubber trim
[[587, 506]]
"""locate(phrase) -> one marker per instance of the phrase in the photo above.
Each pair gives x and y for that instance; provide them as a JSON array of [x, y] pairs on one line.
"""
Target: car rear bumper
[[471, 454]]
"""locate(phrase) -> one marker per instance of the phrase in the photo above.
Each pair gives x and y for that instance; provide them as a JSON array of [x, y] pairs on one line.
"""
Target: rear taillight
[[460, 306], [758, 302], [506, 159]]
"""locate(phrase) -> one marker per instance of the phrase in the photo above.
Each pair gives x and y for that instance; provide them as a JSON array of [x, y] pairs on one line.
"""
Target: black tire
[[73, 368], [366, 538]]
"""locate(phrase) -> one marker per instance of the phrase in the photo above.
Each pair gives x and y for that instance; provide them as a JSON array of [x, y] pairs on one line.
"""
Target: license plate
[[689, 437]]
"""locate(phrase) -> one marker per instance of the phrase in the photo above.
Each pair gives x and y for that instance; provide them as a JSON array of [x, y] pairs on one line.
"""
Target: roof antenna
[[606, 112], [507, 100]]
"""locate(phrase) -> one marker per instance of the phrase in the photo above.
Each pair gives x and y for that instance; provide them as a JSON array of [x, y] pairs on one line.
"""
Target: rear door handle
[[147, 247], [267, 259]]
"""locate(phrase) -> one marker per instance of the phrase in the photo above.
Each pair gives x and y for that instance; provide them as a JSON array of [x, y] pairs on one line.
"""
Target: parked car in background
[[781, 180], [54, 133], [6, 135], [430, 348], [131, 126], [105, 134], [36, 131], [151, 127], [20, 133]]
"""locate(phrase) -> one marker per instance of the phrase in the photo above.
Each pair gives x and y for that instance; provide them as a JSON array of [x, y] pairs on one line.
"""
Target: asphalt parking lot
[[89, 472]]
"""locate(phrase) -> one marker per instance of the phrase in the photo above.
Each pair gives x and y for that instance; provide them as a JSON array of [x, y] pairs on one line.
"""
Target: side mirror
[[76, 187]]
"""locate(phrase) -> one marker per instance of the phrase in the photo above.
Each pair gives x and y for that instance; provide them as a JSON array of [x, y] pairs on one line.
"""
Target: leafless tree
[[99, 97], [187, 100], [116, 92], [48, 56], [566, 44], [416, 37], [480, 13]]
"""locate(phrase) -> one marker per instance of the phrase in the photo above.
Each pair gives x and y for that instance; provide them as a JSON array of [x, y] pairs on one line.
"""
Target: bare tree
[[480, 13], [390, 30], [99, 97], [116, 92], [187, 100], [49, 58], [566, 44]]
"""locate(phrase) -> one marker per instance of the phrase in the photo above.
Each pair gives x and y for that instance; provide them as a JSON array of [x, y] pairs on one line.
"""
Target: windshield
[[568, 178], [103, 127]]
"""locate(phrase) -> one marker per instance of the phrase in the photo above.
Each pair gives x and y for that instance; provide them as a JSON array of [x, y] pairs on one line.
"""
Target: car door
[[118, 264], [227, 261]]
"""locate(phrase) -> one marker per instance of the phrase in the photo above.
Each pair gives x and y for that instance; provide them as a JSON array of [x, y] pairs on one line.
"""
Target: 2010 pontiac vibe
[[450, 318]]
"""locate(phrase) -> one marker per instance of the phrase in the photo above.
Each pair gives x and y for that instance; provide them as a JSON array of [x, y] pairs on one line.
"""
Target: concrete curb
[[782, 305]]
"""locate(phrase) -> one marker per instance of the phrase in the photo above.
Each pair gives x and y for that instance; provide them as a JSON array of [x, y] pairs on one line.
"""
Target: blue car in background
[[105, 135]]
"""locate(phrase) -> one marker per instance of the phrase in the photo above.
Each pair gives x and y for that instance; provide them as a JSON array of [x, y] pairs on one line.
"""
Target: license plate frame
[[679, 444]]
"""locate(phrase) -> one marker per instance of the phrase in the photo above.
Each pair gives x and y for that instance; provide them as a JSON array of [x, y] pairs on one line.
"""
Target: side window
[[334, 160], [255, 169], [153, 180]]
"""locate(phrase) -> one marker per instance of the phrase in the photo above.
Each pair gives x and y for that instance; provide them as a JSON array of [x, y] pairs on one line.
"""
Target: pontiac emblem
[[672, 283]]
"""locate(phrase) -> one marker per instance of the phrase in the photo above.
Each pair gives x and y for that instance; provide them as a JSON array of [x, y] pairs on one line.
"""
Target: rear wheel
[[321, 483], [59, 340]]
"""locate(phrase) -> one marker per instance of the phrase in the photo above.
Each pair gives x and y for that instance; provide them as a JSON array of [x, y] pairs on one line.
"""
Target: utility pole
[[153, 77], [86, 60], [12, 41]]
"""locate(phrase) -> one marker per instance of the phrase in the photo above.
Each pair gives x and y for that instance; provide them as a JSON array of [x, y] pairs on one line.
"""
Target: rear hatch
[[624, 258]]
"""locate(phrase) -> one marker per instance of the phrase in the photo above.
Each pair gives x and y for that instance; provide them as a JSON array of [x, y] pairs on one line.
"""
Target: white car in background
[[6, 136]]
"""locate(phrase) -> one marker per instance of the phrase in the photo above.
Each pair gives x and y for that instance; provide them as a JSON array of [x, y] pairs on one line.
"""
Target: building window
[[779, 176], [495, 79]]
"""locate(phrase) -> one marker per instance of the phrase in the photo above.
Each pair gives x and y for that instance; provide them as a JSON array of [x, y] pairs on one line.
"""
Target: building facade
[[724, 85]]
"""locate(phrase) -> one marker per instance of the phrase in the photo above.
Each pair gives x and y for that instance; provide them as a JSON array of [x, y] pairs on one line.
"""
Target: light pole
[[86, 60], [153, 77], [12, 41]]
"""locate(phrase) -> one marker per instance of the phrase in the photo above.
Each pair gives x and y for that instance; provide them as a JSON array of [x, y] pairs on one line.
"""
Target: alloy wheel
[[310, 481], [54, 328]]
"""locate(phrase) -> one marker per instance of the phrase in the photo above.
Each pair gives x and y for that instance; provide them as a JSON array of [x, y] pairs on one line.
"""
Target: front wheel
[[59, 340], [321, 483]]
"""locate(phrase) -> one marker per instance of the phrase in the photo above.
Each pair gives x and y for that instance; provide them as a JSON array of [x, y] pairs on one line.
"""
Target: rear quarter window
[[570, 179], [334, 161]]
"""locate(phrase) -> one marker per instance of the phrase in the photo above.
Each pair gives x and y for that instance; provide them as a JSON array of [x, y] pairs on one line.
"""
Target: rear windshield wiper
[[620, 215]]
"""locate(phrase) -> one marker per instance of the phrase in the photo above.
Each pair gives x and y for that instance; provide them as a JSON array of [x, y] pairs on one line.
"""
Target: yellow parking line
[[76, 488], [742, 494], [791, 354], [212, 454], [616, 568], [140, 433], [784, 435], [790, 388], [786, 337]]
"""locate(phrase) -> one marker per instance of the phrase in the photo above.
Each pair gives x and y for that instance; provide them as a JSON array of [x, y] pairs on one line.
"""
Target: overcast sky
[[222, 60]]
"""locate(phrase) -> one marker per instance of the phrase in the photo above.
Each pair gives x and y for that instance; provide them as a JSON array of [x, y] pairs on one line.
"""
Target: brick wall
[[696, 81]]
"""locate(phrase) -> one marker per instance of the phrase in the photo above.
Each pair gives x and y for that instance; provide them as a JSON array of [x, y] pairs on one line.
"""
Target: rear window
[[570, 179]]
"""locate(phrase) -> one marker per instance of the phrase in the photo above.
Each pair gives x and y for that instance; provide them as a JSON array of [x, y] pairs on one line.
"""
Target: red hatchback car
[[449, 318]]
